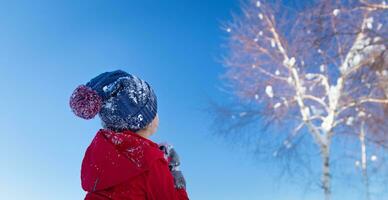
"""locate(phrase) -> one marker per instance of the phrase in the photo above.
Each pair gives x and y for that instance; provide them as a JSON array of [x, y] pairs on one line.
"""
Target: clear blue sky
[[47, 48]]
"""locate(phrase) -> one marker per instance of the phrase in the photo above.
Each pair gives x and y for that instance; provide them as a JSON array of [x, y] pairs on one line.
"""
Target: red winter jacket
[[126, 166]]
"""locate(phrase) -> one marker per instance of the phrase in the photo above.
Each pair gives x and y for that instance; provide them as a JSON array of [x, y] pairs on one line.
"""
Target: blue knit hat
[[123, 101]]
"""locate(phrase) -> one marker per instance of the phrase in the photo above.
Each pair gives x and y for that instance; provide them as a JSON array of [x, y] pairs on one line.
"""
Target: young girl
[[121, 163]]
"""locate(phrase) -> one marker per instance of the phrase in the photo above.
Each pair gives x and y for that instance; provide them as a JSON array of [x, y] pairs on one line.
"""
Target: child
[[121, 163]]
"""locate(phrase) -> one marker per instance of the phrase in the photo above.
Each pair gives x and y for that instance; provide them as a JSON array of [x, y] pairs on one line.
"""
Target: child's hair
[[123, 101]]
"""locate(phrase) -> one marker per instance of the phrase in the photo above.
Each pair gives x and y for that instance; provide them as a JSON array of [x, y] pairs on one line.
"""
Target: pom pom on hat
[[85, 102]]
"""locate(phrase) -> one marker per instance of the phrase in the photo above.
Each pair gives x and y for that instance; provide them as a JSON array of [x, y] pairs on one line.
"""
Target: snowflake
[[336, 12], [287, 144], [376, 39], [350, 121], [373, 158], [322, 68], [258, 4], [361, 114], [379, 26], [277, 105], [261, 16], [289, 62], [306, 112], [292, 61], [269, 91], [289, 80], [256, 96], [369, 23], [310, 76], [242, 114], [273, 44]]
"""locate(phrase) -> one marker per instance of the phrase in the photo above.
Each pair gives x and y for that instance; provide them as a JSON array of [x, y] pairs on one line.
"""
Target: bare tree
[[316, 68]]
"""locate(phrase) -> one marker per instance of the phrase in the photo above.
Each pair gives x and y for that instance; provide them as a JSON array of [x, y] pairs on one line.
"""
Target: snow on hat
[[123, 101]]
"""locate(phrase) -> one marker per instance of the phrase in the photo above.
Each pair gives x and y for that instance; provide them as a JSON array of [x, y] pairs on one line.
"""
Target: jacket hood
[[115, 157]]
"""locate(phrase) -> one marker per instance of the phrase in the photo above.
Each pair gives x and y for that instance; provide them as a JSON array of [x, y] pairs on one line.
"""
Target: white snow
[[356, 59], [289, 80], [261, 16], [362, 49], [253, 66], [277, 105], [350, 121], [287, 144], [376, 39], [322, 68], [361, 114], [277, 72], [310, 76], [256, 39], [333, 96], [316, 111], [285, 102], [289, 62], [334, 93], [228, 30], [369, 23], [327, 122], [273, 44], [108, 105], [140, 117], [269, 91], [306, 112], [302, 89], [105, 88], [379, 26], [357, 163], [261, 33], [256, 96], [336, 12], [258, 4], [242, 114], [373, 158], [292, 61]]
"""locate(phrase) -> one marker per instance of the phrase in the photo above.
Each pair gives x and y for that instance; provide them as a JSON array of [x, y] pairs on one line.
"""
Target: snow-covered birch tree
[[321, 69]]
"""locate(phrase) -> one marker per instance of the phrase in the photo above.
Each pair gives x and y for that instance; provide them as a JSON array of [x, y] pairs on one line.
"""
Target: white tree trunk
[[364, 164], [326, 176]]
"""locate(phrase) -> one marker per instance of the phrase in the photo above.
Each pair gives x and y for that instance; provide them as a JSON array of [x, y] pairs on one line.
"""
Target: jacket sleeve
[[161, 183]]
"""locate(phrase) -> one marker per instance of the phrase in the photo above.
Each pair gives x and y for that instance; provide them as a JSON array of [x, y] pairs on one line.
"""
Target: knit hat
[[123, 101]]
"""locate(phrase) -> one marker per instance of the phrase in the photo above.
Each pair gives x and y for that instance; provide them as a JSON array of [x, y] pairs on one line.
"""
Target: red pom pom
[[85, 102]]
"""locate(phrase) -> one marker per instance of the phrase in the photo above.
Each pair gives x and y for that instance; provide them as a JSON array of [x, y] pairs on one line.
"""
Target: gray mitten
[[173, 163], [179, 180]]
